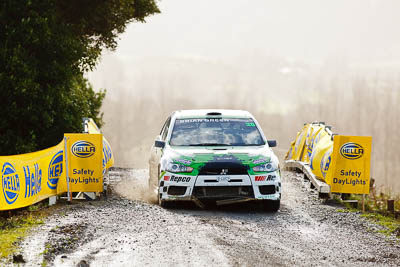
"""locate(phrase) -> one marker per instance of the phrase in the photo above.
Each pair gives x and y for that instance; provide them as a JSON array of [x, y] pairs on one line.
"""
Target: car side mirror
[[272, 143], [160, 144]]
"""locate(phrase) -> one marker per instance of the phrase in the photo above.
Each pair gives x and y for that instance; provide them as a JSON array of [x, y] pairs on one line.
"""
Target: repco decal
[[10, 182], [351, 151], [178, 179], [83, 149], [55, 170]]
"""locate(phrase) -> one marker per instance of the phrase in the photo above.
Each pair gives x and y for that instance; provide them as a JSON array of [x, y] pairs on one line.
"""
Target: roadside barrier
[[77, 164], [334, 163]]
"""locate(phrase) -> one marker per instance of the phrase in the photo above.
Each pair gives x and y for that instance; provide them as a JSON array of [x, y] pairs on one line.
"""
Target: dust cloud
[[287, 62], [134, 186]]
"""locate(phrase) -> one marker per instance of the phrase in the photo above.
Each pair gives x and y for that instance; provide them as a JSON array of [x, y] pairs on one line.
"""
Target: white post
[[69, 196], [85, 125], [52, 200]]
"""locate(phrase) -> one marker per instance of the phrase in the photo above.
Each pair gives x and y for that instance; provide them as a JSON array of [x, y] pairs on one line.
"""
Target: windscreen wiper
[[210, 144]]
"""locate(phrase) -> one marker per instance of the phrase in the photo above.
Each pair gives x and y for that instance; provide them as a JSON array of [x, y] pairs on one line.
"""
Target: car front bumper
[[220, 188]]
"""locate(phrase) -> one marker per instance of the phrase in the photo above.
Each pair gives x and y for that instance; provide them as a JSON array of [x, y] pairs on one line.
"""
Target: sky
[[237, 33], [217, 53], [308, 30]]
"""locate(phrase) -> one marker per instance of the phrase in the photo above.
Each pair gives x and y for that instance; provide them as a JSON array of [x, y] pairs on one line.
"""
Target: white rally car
[[219, 156]]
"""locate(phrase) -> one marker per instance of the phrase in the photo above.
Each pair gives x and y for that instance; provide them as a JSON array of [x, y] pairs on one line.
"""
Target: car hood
[[195, 157]]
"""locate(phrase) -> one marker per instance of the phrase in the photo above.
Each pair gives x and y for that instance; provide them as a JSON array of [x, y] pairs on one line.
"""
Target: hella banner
[[320, 159], [343, 162], [84, 163], [108, 159], [29, 178], [350, 167], [300, 142]]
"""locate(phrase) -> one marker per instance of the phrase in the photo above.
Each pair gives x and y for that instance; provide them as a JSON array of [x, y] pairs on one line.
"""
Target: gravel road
[[127, 229]]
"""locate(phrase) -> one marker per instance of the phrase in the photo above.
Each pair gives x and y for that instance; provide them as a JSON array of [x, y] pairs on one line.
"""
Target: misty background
[[287, 62]]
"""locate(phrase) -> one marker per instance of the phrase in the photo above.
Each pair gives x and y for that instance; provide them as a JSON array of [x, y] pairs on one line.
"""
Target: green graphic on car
[[253, 163]]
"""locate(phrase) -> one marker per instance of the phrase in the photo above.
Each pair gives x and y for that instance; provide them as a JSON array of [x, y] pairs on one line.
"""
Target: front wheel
[[271, 205], [164, 204]]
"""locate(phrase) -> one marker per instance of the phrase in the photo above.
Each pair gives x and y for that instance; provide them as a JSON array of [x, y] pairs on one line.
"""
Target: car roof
[[207, 113]]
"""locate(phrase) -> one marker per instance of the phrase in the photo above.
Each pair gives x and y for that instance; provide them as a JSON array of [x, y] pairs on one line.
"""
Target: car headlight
[[267, 167], [174, 167]]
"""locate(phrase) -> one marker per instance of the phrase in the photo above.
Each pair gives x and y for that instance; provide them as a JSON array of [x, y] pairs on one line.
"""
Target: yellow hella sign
[[350, 170], [84, 163]]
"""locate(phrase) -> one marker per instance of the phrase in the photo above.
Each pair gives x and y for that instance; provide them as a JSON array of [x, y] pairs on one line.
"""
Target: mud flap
[[198, 202], [232, 201]]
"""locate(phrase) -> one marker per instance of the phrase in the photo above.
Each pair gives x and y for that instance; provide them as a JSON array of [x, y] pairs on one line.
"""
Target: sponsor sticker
[[184, 161], [179, 179], [258, 161], [260, 178], [202, 120], [223, 179]]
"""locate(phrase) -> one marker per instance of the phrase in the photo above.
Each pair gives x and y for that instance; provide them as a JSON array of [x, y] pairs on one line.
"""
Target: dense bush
[[46, 46]]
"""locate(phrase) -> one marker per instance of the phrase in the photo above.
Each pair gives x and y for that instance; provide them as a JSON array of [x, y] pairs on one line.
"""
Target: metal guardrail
[[320, 186]]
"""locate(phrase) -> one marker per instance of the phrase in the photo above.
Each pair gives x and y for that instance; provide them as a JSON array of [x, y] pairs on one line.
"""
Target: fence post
[[363, 203], [390, 205]]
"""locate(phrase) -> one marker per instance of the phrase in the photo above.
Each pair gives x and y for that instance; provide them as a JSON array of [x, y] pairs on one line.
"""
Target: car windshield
[[216, 132]]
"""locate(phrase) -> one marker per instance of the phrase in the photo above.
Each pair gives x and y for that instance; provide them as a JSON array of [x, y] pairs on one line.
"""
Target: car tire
[[271, 205], [164, 204]]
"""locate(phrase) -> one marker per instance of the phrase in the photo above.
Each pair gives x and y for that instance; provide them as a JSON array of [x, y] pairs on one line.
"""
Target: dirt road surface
[[126, 230]]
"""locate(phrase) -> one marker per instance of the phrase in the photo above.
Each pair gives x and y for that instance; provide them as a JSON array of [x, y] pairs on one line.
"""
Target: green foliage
[[390, 224], [376, 203], [376, 211], [98, 22], [14, 228], [46, 47]]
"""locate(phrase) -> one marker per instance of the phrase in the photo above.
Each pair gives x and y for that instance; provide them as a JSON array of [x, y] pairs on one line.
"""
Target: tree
[[46, 47]]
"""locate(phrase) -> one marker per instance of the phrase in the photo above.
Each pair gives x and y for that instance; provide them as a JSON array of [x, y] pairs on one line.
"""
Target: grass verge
[[390, 224], [376, 211], [15, 225]]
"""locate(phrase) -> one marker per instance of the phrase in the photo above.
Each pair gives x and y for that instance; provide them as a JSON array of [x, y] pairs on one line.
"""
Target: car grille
[[176, 190], [228, 168], [223, 192]]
